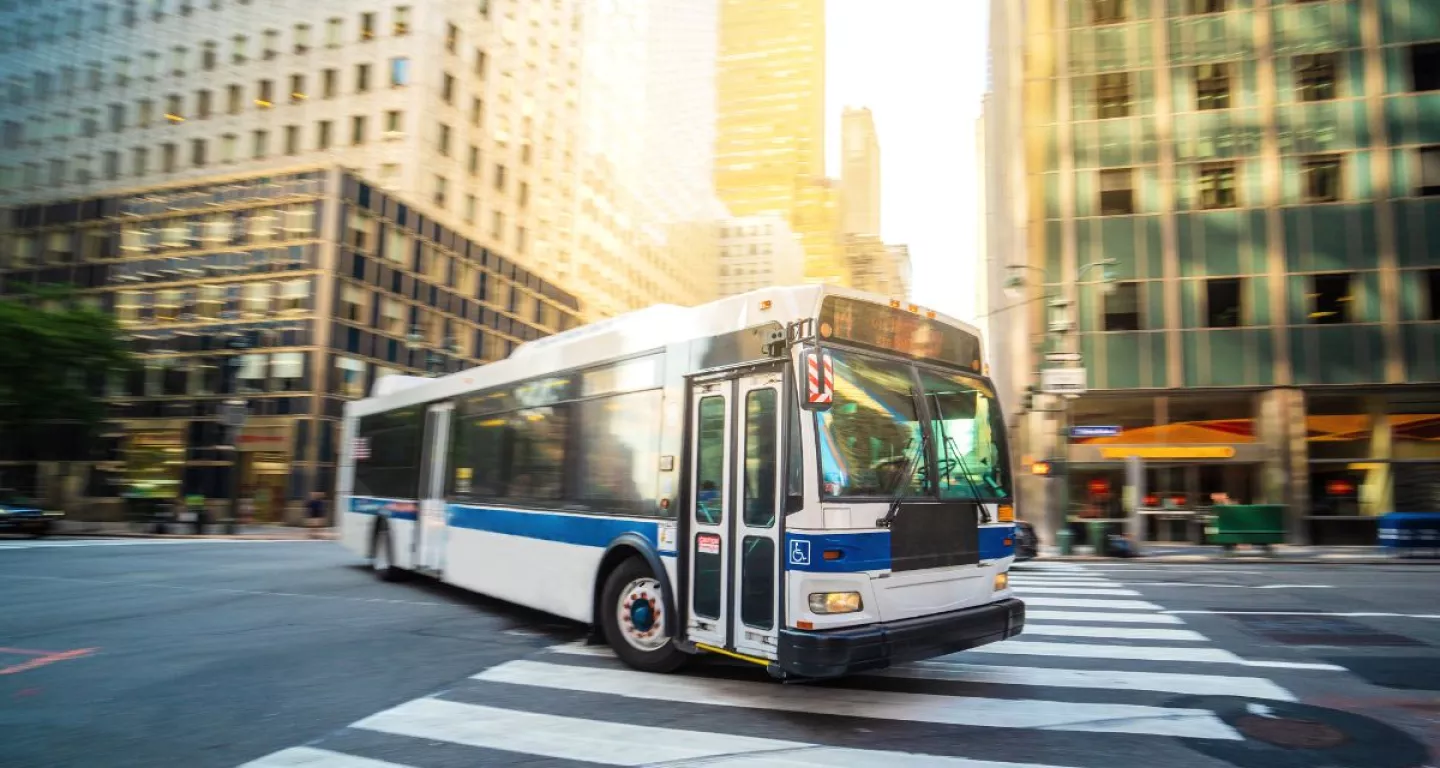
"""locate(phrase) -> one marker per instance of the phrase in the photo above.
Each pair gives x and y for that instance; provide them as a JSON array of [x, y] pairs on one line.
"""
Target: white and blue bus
[[810, 479]]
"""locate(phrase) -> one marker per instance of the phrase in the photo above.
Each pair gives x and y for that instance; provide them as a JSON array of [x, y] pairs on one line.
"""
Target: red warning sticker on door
[[707, 544]]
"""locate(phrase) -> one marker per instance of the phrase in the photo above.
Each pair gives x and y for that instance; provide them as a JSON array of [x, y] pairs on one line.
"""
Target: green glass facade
[[1265, 176]]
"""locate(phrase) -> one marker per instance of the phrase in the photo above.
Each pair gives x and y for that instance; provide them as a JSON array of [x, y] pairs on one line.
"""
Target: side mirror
[[819, 391]]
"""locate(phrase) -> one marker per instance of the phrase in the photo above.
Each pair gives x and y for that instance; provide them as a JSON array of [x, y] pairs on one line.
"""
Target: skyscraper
[[770, 142], [1260, 179], [859, 173]]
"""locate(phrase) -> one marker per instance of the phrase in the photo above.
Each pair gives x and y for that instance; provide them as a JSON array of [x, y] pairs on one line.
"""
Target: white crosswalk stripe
[[1109, 667]]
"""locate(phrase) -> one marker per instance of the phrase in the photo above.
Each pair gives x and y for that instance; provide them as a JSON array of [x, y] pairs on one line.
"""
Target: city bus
[[809, 479]]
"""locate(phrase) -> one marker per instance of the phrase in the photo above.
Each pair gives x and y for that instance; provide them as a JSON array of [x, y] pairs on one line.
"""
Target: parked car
[[1027, 544], [23, 515]]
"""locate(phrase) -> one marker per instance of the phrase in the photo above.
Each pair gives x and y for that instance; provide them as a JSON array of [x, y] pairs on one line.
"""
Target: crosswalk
[[1096, 661]]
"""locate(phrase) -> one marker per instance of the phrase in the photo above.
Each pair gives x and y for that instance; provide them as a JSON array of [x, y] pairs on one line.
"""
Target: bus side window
[[795, 464]]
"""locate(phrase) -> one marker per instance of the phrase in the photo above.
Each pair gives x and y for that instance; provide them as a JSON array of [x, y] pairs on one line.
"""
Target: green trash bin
[[1096, 532], [1257, 524]]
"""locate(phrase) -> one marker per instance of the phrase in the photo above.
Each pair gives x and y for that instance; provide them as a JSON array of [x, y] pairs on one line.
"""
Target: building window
[[497, 224], [168, 157], [228, 144], [324, 137], [367, 26], [483, 6], [447, 88], [1425, 66], [329, 83], [294, 295], [111, 165], [1315, 76], [1223, 302], [1430, 171], [362, 78], [235, 100], [1112, 95], [146, 113], [266, 97], [292, 139], [349, 377], [480, 61], [1117, 193], [334, 31], [302, 38], [202, 104], [402, 21], [477, 111], [1331, 302], [1108, 11], [519, 239], [442, 140], [522, 196], [452, 37], [357, 129], [1217, 185], [1212, 86], [197, 152], [394, 121], [238, 54], [1122, 308], [352, 303], [297, 89], [174, 109], [1432, 284], [288, 371], [499, 177], [260, 144], [1320, 178], [470, 209], [440, 184], [399, 71]]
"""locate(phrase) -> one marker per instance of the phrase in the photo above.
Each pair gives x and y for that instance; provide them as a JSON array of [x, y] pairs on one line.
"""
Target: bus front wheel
[[633, 616]]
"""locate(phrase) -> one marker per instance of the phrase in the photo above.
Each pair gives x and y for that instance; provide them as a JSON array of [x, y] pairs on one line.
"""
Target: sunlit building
[[293, 290], [770, 142], [759, 252], [859, 173], [1265, 176]]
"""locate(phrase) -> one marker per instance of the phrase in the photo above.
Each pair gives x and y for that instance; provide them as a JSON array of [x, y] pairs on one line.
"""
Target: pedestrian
[[315, 513]]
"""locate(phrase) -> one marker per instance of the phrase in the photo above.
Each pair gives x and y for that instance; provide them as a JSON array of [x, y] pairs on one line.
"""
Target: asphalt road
[[287, 654]]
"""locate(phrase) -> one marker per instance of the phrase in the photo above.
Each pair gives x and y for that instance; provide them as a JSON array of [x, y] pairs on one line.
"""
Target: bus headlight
[[834, 602], [1002, 581]]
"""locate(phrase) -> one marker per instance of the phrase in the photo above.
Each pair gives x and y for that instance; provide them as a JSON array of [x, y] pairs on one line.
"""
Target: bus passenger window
[[761, 460], [710, 464]]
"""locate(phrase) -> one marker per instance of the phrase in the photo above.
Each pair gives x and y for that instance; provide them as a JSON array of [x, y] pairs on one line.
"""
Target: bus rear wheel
[[632, 613], [381, 560]]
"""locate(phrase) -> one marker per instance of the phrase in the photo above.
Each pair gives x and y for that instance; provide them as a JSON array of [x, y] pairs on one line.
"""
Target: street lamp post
[[1056, 340]]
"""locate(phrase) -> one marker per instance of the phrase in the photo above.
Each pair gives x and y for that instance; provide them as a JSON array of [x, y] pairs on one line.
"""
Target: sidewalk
[[272, 532], [1279, 553]]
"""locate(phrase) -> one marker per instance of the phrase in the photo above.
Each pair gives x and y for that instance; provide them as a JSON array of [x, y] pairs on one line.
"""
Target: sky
[[919, 65]]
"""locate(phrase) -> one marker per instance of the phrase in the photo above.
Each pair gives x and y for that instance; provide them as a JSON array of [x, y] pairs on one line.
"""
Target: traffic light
[[1048, 468]]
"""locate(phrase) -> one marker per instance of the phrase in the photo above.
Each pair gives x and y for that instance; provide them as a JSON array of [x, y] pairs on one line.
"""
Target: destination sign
[[896, 331]]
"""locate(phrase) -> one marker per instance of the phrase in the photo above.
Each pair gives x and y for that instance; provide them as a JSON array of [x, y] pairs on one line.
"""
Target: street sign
[[233, 413], [1062, 357], [1062, 381], [1093, 431]]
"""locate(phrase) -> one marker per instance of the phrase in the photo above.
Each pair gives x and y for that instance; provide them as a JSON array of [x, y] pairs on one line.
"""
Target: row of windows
[[1322, 180], [1316, 78], [215, 301], [253, 373], [1120, 11], [1330, 300]]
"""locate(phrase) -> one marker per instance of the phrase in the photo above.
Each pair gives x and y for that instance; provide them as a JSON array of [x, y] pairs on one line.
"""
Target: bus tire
[[382, 559], [632, 609]]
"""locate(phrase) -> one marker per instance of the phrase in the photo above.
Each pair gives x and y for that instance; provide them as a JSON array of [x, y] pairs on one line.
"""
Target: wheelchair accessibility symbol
[[799, 552]]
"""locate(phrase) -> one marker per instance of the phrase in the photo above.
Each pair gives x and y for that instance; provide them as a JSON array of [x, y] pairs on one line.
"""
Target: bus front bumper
[[838, 652]]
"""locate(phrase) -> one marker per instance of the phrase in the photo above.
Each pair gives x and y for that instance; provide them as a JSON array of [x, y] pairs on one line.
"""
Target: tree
[[56, 355]]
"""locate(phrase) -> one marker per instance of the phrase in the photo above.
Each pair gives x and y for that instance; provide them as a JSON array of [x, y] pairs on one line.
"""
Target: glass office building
[[1265, 177], [294, 290]]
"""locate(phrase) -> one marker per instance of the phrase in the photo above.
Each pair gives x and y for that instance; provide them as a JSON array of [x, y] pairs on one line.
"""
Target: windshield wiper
[[949, 443], [911, 463]]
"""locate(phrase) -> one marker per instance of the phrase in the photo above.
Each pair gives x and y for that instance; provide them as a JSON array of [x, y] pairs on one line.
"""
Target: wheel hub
[[641, 612]]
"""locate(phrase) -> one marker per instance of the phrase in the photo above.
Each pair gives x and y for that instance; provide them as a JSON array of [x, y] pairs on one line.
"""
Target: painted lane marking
[[1080, 602], [45, 659], [224, 591], [1099, 616], [1138, 653], [1031, 581], [608, 743], [1162, 682], [1076, 591], [1225, 586], [880, 705], [1350, 615], [310, 757], [1104, 570], [1117, 633]]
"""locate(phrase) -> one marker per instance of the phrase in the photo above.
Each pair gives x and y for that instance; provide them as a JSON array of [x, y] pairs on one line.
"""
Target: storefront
[[265, 458]]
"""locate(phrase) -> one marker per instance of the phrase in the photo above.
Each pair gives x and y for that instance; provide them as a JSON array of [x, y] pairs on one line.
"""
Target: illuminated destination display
[[898, 332]]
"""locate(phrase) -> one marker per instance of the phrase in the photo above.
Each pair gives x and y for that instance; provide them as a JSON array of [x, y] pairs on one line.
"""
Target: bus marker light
[[1006, 512], [1002, 581], [764, 305], [832, 554], [834, 602], [802, 624], [1009, 542]]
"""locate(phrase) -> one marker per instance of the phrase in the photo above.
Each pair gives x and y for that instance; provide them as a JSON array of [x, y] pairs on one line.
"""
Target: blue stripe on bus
[[581, 530], [395, 509], [870, 550]]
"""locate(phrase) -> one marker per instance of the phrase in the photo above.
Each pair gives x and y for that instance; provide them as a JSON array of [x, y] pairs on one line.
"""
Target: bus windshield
[[870, 437]]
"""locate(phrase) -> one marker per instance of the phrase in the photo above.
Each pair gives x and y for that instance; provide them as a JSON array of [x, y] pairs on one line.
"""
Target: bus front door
[[430, 532], [734, 526]]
